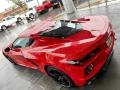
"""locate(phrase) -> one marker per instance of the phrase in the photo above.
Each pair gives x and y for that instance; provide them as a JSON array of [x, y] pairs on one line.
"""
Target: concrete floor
[[21, 78]]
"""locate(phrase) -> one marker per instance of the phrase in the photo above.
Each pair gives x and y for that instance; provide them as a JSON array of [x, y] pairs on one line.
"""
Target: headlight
[[74, 62]]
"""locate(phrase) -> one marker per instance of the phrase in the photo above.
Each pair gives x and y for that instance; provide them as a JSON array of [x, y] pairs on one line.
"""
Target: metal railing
[[89, 3]]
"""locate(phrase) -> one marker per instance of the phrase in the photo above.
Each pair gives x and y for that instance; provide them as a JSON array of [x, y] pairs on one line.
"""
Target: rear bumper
[[94, 72], [104, 66], [98, 62]]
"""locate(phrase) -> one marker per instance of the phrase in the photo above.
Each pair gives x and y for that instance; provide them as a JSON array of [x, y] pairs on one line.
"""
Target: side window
[[30, 9], [22, 42], [10, 17]]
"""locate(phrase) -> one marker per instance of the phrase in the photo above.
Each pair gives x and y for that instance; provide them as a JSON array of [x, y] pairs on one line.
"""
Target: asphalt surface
[[21, 78]]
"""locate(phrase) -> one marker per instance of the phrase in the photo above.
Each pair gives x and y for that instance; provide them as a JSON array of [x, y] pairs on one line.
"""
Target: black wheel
[[32, 16], [19, 19], [3, 27], [28, 19], [60, 77], [56, 6], [46, 10]]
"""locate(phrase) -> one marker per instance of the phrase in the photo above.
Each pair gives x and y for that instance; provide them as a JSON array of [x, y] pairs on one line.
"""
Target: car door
[[11, 20], [16, 53]]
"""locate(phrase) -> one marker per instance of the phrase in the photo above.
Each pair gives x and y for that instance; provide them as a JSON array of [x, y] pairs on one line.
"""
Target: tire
[[45, 11], [32, 16], [28, 19], [56, 6], [19, 19], [3, 27], [60, 77]]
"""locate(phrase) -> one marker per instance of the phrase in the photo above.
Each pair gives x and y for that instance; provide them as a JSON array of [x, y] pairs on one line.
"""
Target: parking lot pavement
[[21, 78], [87, 2]]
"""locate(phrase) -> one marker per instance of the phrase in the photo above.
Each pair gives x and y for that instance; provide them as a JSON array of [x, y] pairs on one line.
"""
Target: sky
[[7, 3]]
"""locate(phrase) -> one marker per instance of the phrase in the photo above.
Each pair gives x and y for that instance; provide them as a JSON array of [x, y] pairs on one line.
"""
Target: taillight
[[83, 60]]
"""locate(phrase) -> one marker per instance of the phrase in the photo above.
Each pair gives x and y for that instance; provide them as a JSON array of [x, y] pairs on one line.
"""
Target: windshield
[[22, 42], [30, 9], [62, 29], [10, 17]]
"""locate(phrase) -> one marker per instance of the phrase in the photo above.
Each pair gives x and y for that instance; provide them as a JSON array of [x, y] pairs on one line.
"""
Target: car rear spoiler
[[79, 20]]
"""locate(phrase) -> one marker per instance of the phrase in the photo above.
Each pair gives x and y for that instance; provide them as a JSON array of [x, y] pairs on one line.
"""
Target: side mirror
[[7, 49]]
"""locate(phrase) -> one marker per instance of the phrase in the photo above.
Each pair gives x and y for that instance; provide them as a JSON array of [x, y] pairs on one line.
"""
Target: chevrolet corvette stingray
[[72, 52]]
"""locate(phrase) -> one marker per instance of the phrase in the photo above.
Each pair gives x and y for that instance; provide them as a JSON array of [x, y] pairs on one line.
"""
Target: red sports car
[[44, 7], [72, 52]]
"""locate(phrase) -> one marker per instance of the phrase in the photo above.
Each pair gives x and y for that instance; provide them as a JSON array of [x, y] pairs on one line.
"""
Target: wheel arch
[[45, 68]]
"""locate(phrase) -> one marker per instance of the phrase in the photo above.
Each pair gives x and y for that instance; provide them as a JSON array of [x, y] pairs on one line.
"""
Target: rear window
[[22, 42], [62, 29]]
